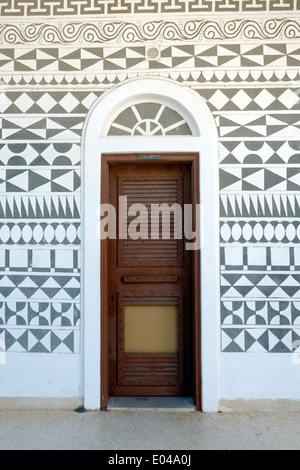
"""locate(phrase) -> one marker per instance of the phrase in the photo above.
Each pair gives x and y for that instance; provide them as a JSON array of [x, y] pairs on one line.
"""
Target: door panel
[[150, 329], [149, 282], [150, 189]]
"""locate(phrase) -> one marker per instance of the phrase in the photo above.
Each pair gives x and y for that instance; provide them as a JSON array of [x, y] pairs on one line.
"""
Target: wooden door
[[150, 346]]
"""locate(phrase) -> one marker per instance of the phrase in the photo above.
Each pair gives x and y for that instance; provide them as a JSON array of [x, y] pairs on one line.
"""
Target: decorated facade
[[59, 61]]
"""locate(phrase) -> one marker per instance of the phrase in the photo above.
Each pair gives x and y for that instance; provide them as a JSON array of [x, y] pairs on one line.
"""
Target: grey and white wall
[[57, 58]]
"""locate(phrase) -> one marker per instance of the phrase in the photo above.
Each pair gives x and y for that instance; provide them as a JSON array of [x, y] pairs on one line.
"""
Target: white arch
[[204, 141]]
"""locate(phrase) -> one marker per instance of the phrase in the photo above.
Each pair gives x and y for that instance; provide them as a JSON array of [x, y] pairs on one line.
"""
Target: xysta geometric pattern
[[253, 256], [18, 339], [260, 312], [260, 340], [251, 90], [39, 314], [39, 288], [105, 59], [253, 178]]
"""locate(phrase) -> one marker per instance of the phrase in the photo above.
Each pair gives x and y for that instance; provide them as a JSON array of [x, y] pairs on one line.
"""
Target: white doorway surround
[[204, 141]]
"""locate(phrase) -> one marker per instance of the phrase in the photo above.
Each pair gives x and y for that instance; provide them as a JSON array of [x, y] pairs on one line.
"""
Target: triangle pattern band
[[40, 340], [106, 59], [283, 286], [260, 205], [249, 125], [272, 340], [260, 179], [39, 207], [21, 128], [41, 180], [40, 287]]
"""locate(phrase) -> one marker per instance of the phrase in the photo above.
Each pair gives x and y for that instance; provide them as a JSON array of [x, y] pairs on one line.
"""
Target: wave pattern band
[[155, 30]]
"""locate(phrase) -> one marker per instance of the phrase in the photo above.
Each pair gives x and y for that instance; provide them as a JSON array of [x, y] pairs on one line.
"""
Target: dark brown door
[[149, 281]]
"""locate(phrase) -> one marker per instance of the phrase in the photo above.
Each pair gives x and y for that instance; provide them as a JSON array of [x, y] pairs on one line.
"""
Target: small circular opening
[[152, 53]]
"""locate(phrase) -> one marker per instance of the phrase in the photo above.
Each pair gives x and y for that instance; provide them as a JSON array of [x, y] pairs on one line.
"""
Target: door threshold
[[151, 403]]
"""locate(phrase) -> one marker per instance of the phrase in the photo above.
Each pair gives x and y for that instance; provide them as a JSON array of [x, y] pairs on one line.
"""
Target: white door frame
[[203, 141]]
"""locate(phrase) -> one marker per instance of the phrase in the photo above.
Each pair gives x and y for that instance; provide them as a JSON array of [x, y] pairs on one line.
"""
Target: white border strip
[[204, 141]]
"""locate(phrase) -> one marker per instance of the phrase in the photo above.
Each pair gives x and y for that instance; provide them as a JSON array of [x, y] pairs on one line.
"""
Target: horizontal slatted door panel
[[151, 249], [150, 370]]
